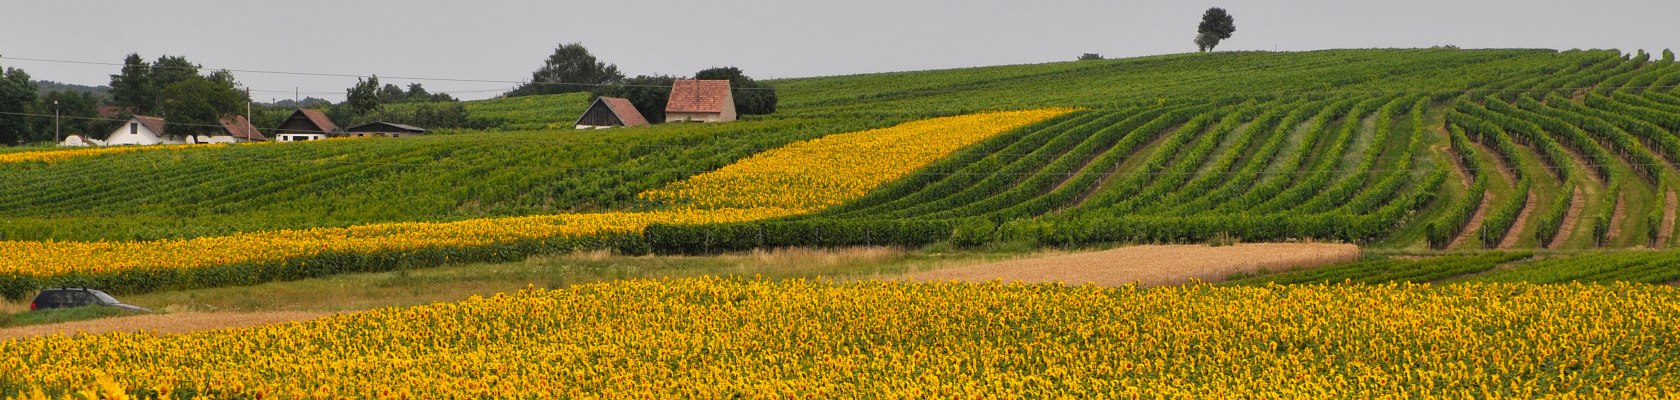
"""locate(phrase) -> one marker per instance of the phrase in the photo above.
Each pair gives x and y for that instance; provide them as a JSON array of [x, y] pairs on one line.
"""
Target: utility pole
[[55, 122], [247, 115]]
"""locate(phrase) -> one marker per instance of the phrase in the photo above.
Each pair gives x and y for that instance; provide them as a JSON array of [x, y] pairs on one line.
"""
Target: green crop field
[[1408, 149]]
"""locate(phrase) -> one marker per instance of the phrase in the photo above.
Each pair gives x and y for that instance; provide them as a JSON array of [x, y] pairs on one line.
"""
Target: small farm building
[[383, 129], [700, 101], [140, 130], [608, 112], [234, 130], [305, 124]]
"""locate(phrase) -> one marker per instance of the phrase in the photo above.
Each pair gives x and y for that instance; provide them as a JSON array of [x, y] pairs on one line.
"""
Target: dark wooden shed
[[607, 112], [383, 128], [305, 124]]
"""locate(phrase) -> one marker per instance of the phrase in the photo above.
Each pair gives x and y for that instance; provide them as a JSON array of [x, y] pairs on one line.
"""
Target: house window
[[134, 128]]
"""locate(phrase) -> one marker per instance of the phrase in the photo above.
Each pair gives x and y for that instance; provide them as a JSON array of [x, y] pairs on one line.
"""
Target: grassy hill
[[1343, 144]]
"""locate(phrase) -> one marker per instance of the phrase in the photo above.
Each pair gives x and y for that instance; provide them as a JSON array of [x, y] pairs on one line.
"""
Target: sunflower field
[[741, 337]]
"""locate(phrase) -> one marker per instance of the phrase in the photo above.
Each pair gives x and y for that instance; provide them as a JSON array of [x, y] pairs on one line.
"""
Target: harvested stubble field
[[1150, 264]]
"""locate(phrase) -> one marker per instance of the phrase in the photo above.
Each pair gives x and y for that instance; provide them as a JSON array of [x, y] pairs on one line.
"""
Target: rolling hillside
[[1442, 148]]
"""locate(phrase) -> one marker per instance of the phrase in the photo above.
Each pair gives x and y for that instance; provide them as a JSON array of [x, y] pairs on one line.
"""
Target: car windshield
[[104, 298]]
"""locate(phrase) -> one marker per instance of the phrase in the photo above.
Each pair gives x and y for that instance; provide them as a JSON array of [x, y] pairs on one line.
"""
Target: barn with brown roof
[[608, 112], [700, 101], [235, 130], [305, 124]]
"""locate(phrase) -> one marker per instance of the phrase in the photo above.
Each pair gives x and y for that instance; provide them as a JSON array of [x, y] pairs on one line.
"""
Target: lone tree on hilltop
[[1090, 57], [570, 69], [1216, 25]]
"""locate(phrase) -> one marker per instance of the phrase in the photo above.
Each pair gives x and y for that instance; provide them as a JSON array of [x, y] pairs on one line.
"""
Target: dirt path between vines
[[172, 323], [1515, 234], [1570, 218], [1150, 264], [1616, 217], [1475, 222], [1667, 228]]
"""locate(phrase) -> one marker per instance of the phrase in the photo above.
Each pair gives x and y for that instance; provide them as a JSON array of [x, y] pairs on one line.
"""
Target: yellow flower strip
[[52, 156], [56, 258], [718, 338], [830, 170]]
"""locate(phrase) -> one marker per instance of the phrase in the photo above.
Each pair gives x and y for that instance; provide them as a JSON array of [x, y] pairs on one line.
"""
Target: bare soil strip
[[163, 324], [1515, 234], [1569, 220], [1616, 218], [1475, 222], [1150, 265], [1667, 229]]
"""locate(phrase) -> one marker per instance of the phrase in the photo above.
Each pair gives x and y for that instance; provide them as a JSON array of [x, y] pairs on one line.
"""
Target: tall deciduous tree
[[197, 104], [16, 94], [1217, 25], [133, 88], [570, 69], [648, 93], [363, 98], [169, 70], [751, 98]]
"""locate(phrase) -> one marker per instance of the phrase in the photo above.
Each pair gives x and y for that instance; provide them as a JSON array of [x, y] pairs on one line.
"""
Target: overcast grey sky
[[506, 40]]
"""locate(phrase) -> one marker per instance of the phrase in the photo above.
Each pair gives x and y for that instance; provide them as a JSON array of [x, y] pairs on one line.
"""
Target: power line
[[1154, 93]]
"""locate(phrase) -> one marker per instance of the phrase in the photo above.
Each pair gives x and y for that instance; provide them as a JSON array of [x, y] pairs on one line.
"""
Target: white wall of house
[[224, 138], [727, 115], [136, 133], [299, 137]]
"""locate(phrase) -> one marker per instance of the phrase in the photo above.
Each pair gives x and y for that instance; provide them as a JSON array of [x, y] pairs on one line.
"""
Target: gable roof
[[318, 118], [386, 127], [702, 96], [625, 111], [153, 123], [240, 128]]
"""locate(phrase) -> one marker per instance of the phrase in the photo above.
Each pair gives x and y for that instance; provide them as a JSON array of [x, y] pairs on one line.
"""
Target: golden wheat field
[[717, 337]]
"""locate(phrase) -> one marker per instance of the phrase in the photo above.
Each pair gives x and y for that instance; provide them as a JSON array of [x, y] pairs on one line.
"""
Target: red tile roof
[[240, 128], [319, 119], [153, 123], [702, 96], [625, 111]]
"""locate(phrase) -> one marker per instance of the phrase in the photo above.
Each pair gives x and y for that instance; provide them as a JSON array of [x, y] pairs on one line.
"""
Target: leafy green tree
[[169, 70], [570, 69], [391, 93], [363, 99], [197, 104], [16, 94], [417, 93], [1090, 57], [648, 93], [751, 98], [1217, 25], [133, 88], [78, 110]]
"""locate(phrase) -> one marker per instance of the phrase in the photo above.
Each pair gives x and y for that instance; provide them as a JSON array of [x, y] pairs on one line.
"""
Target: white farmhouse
[[700, 101], [140, 131]]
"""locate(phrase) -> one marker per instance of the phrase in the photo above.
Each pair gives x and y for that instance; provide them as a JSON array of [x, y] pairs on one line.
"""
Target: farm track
[[1616, 218], [162, 324], [1475, 222], [1667, 228], [1576, 204], [1150, 264], [1515, 234]]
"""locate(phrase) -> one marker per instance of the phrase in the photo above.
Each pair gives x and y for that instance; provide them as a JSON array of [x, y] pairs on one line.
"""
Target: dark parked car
[[79, 297]]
